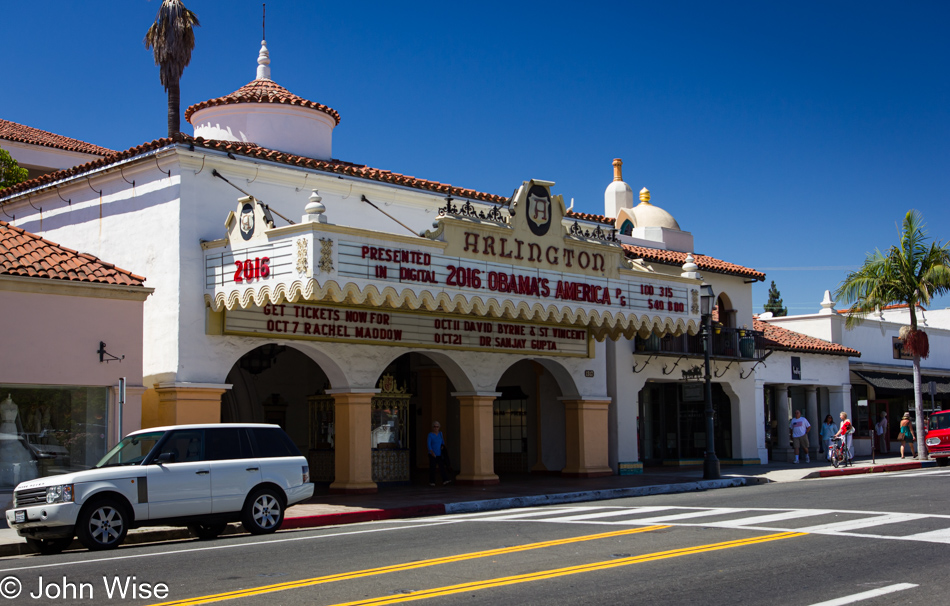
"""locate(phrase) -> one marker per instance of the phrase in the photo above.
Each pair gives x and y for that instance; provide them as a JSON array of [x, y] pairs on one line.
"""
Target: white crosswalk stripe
[[871, 522], [857, 523], [606, 514], [671, 519], [766, 519]]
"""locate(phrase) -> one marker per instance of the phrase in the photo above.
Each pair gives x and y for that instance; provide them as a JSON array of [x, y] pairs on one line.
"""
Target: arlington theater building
[[355, 306]]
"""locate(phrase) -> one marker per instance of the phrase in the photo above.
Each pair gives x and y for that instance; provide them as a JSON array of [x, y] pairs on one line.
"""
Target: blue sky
[[786, 136]]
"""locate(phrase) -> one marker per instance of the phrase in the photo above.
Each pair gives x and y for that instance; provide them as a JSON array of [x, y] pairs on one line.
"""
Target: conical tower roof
[[266, 113], [263, 91]]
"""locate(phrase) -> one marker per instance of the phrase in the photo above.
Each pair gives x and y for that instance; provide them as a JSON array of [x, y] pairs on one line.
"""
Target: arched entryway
[[274, 384], [426, 379], [528, 421]]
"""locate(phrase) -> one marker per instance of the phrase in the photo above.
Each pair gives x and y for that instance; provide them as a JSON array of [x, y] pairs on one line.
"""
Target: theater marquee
[[526, 263]]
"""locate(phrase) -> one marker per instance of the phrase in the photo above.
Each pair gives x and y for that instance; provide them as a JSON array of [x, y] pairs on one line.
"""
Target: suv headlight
[[59, 494], [933, 441]]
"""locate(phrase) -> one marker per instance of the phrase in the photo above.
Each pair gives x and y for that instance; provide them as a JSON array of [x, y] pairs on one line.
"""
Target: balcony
[[728, 344]]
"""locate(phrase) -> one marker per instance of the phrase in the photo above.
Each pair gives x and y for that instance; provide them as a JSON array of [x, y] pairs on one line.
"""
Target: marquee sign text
[[354, 325]]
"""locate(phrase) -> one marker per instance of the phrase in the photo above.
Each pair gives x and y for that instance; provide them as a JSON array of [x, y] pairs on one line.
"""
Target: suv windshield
[[132, 450], [940, 421]]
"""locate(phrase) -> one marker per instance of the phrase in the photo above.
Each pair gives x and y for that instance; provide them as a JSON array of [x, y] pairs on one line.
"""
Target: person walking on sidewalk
[[436, 445], [800, 426], [906, 435], [828, 431]]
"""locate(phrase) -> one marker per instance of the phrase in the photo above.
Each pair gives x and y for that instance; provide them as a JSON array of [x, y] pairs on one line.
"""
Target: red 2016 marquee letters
[[252, 269]]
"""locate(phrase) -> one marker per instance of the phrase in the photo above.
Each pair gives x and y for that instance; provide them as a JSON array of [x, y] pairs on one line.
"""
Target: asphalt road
[[798, 543]]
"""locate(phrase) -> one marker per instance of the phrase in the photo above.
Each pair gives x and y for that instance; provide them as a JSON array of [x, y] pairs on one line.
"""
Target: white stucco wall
[[292, 129]]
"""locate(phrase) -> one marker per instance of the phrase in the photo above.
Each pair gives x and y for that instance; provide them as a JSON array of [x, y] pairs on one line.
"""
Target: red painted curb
[[366, 515], [851, 471]]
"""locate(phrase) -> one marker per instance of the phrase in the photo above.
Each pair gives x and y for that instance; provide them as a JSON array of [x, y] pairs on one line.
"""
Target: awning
[[901, 382]]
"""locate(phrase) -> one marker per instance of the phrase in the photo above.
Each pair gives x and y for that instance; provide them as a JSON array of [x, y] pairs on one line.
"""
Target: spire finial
[[263, 62], [827, 304], [263, 21], [618, 173], [645, 196]]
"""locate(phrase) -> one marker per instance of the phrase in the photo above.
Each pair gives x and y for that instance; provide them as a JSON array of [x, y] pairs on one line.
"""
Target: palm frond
[[172, 39], [911, 272]]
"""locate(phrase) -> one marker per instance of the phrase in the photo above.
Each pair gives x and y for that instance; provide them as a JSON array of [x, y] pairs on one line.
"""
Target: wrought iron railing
[[727, 343]]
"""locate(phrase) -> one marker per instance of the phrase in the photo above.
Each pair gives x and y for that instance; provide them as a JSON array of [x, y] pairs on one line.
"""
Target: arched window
[[727, 315], [627, 228]]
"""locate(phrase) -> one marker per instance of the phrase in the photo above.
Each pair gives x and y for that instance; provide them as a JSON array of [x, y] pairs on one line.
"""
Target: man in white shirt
[[800, 426]]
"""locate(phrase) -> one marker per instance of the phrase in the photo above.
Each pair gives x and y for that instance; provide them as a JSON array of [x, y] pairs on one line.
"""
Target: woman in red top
[[845, 432]]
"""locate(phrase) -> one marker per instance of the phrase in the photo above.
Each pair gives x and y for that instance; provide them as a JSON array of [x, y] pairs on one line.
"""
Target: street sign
[[933, 388]]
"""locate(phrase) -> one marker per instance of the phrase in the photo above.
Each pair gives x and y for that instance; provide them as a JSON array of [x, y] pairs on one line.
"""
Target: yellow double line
[[488, 583], [559, 572], [343, 576]]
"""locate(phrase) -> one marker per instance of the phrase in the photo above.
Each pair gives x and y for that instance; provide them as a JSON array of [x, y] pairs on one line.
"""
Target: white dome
[[648, 215]]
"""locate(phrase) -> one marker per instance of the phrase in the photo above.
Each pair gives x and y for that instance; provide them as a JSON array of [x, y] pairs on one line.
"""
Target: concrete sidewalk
[[420, 500]]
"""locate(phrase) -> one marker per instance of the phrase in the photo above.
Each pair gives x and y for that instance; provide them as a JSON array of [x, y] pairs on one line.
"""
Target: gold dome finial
[[618, 176], [645, 196]]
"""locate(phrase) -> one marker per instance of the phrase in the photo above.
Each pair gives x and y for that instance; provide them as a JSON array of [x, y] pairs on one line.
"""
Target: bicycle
[[838, 452]]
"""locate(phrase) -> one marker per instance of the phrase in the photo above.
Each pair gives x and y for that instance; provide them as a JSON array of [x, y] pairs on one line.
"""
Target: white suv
[[200, 476]]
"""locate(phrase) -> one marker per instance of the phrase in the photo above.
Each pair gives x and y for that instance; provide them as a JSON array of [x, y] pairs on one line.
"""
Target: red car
[[938, 438]]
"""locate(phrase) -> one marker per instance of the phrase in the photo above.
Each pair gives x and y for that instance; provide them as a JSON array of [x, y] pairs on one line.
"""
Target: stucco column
[[477, 439], [182, 403], [585, 428], [353, 445], [811, 413], [760, 416], [782, 452], [839, 400]]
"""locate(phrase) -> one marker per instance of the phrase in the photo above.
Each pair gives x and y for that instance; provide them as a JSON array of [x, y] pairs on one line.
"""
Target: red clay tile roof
[[788, 340], [589, 217], [255, 151], [672, 257], [25, 254], [886, 308], [11, 131], [262, 91]]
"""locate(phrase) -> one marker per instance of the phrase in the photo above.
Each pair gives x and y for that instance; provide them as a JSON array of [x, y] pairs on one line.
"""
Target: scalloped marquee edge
[[601, 326]]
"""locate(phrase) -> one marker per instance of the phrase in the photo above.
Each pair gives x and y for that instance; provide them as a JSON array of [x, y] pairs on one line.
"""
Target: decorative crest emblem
[[247, 221], [539, 210]]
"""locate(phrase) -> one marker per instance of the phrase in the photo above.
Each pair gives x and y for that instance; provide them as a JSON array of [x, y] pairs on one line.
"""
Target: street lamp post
[[710, 462]]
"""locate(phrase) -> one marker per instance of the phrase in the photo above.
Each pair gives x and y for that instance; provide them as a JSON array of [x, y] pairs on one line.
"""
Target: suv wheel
[[263, 512], [102, 524], [206, 532], [50, 546]]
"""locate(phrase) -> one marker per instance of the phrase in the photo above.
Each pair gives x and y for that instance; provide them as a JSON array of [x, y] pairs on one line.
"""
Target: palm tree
[[911, 273], [173, 39]]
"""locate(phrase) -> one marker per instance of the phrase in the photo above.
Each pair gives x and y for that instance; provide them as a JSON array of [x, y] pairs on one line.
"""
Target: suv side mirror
[[165, 457]]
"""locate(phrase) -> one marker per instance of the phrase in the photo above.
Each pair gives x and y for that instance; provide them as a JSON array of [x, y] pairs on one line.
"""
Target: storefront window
[[50, 430], [860, 415]]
